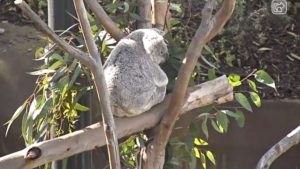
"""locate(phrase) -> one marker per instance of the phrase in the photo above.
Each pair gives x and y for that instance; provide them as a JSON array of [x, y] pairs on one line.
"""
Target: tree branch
[[160, 13], [81, 56], [217, 91], [278, 149], [221, 18], [101, 87], [105, 20], [206, 31], [144, 9]]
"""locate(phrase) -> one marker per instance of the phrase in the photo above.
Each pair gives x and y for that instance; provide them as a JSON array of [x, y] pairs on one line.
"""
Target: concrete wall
[[17, 47], [241, 148]]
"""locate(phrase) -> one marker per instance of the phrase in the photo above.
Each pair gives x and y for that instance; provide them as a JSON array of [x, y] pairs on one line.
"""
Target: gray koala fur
[[134, 79]]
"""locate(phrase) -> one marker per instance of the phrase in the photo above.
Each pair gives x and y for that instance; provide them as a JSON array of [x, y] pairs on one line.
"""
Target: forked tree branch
[[279, 148], [217, 91], [155, 154], [101, 87], [144, 10], [105, 20]]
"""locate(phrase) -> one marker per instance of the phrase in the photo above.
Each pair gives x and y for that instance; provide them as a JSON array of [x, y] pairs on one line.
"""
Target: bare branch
[[160, 12], [100, 83], [217, 91], [105, 20], [279, 148], [81, 56], [156, 149], [144, 9], [221, 18]]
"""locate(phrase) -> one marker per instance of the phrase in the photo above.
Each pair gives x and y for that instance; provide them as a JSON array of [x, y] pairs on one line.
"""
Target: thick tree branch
[[105, 20], [101, 87], [144, 9], [206, 31], [217, 91], [81, 56], [278, 149]]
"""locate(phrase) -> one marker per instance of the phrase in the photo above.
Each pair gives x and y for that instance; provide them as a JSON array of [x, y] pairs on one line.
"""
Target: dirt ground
[[17, 47]]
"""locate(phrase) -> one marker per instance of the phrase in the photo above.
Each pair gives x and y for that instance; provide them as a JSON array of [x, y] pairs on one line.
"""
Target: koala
[[134, 78]]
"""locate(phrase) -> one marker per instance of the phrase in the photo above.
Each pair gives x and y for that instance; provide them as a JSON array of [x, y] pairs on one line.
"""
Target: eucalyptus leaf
[[75, 76], [211, 157], [15, 116], [81, 107], [196, 152], [41, 72], [203, 160], [56, 65]]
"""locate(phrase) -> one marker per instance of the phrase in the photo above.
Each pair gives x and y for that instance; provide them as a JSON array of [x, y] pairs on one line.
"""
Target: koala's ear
[[148, 44]]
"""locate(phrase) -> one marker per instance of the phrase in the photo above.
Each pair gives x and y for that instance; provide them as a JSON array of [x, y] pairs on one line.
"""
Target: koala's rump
[[132, 90]]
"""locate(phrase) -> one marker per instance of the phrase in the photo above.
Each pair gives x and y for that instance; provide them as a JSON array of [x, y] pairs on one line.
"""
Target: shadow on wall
[[241, 148], [17, 47]]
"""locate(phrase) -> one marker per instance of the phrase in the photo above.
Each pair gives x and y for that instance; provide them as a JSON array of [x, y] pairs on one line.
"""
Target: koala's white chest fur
[[133, 76]]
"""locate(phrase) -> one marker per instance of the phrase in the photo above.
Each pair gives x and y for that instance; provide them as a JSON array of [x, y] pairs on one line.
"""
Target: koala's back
[[129, 75]]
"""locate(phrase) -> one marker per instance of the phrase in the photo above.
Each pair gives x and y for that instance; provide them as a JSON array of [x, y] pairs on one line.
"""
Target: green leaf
[[211, 74], [75, 76], [252, 85], [242, 99], [234, 80], [59, 73], [41, 72], [255, 99], [56, 65], [39, 53], [196, 152], [15, 116], [203, 160], [211, 157], [230, 113], [241, 118], [264, 78], [81, 107], [200, 142], [222, 120], [204, 127], [42, 110], [56, 56], [218, 128]]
